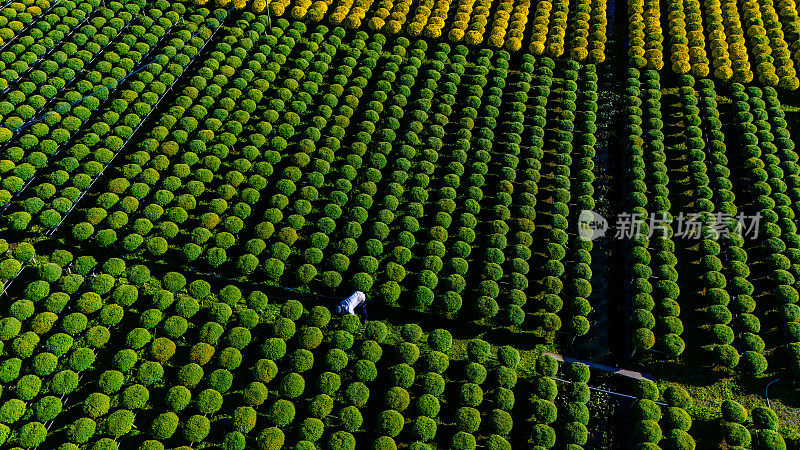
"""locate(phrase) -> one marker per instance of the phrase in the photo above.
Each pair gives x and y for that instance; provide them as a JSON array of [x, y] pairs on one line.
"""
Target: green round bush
[[646, 389], [678, 418], [390, 423], [310, 337], [351, 418], [196, 428], [135, 397], [474, 373], [500, 422], [440, 340], [119, 423], [478, 350], [149, 373], [292, 385], [365, 370], [764, 418], [376, 331], [164, 425], [328, 383], [402, 375], [411, 332], [357, 394], [342, 440], [467, 419], [28, 387], [209, 401], [111, 381], [384, 443], [342, 340], [647, 431], [397, 399], [301, 360], [407, 353], [255, 393], [336, 360], [270, 439], [679, 440], [282, 412], [48, 408], [462, 441], [319, 317], [11, 411], [677, 396], [190, 375], [244, 419], [470, 395], [732, 411], [433, 383], [437, 361], [82, 430], [311, 429], [32, 434]]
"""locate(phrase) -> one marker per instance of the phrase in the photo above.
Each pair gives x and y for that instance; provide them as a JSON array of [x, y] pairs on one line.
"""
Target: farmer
[[349, 305]]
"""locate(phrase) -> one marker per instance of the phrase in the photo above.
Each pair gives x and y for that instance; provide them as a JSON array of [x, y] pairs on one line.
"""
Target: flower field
[[188, 189]]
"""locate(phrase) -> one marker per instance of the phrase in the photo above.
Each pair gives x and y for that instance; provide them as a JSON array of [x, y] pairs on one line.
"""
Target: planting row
[[109, 356], [474, 22]]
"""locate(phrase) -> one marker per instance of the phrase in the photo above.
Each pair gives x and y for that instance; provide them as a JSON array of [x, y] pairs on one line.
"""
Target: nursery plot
[[187, 191], [389, 172]]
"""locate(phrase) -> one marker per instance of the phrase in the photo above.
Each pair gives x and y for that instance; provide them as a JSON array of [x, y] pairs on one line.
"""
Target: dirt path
[[624, 372]]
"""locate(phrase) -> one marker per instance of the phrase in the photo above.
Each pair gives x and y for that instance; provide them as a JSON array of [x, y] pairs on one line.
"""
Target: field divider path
[[623, 372]]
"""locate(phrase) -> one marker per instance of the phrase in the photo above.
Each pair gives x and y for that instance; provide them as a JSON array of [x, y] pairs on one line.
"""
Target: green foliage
[[732, 411], [462, 441], [82, 430], [328, 383], [292, 385], [164, 425], [342, 440], [509, 357], [28, 387], [411, 332], [135, 397], [196, 428], [390, 423], [282, 412], [478, 350], [11, 411], [32, 434], [357, 394], [768, 440], [321, 406], [646, 389], [470, 395], [311, 429], [190, 375], [244, 419], [119, 422], [467, 419], [319, 317], [209, 401], [677, 396], [255, 393], [764, 418], [397, 399], [677, 440], [440, 340]]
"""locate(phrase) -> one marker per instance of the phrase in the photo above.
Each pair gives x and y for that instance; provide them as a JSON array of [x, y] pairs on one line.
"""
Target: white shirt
[[349, 305]]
